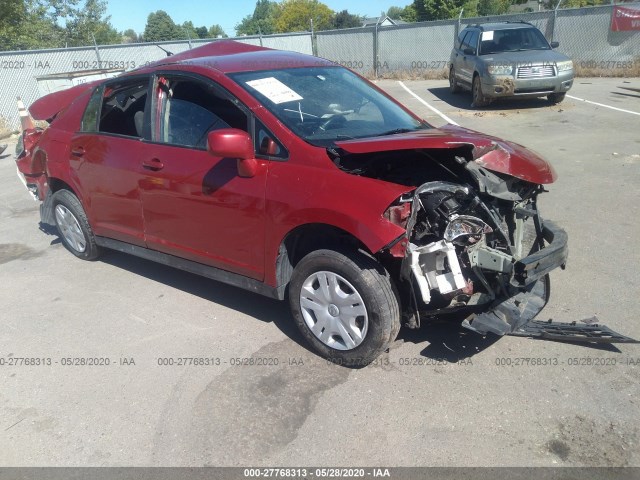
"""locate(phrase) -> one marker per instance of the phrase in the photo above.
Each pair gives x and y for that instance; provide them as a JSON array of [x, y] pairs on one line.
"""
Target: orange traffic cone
[[25, 119]]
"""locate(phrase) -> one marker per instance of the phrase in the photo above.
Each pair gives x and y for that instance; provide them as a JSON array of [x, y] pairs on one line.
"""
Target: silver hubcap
[[70, 229], [334, 310]]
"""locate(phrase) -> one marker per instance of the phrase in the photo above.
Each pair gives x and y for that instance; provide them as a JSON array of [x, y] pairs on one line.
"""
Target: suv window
[[512, 40], [460, 37], [189, 109], [123, 106], [471, 40]]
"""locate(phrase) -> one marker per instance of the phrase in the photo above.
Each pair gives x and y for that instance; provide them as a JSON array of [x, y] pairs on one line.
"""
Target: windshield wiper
[[397, 130]]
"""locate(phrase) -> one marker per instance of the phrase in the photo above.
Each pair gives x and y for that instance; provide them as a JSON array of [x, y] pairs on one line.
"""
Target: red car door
[[194, 204], [106, 155]]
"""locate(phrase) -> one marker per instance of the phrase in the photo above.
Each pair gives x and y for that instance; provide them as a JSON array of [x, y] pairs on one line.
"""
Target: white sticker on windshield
[[274, 90], [487, 36]]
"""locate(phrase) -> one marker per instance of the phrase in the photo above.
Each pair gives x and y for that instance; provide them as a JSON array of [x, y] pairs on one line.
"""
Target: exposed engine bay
[[474, 238]]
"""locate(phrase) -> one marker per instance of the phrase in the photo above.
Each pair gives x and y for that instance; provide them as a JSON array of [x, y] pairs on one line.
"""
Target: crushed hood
[[489, 152]]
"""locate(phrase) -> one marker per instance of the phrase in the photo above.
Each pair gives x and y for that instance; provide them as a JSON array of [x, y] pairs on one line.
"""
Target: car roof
[[228, 56], [501, 26]]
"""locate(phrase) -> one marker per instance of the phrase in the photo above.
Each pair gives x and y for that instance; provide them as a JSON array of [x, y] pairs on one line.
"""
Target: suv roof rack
[[481, 25], [520, 21]]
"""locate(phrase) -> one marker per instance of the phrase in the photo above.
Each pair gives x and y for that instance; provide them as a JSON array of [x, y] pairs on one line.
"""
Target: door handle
[[77, 151], [154, 164]]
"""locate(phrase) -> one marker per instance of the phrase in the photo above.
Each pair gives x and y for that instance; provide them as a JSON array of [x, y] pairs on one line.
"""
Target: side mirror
[[234, 143], [555, 44], [469, 51]]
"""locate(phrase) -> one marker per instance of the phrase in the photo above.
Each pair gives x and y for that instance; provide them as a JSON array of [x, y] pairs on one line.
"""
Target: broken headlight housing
[[465, 229]]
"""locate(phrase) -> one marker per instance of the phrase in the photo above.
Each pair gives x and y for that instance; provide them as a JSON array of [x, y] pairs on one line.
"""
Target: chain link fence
[[422, 50], [20, 71], [417, 50]]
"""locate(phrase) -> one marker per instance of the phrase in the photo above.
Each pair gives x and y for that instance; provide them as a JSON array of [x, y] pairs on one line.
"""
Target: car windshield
[[512, 40], [327, 104]]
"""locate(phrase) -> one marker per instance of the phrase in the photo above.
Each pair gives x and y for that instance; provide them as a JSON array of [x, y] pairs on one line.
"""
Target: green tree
[[130, 36], [407, 14], [296, 16], [262, 20], [27, 24], [395, 12], [89, 22], [202, 32], [551, 4], [12, 15], [188, 30], [493, 7], [161, 27], [442, 9], [344, 19], [216, 31]]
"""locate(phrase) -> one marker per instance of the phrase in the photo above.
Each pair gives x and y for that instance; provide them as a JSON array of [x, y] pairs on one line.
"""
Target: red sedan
[[295, 178]]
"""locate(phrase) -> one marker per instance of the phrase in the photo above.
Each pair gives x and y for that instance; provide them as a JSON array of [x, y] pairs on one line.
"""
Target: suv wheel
[[344, 305], [73, 225], [556, 97], [479, 100], [453, 84]]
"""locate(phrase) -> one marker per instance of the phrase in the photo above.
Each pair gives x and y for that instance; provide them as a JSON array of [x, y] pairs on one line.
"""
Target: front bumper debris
[[512, 313], [529, 276], [571, 332], [535, 266]]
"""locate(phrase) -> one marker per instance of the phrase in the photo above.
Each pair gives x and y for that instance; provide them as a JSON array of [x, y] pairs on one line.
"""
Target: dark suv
[[293, 177], [497, 60]]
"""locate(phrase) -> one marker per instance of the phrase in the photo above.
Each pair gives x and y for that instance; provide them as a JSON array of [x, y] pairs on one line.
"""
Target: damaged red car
[[295, 178]]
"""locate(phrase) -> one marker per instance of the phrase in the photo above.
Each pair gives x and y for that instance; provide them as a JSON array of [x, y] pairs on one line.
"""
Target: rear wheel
[[73, 225], [479, 100], [556, 97], [344, 305], [453, 84]]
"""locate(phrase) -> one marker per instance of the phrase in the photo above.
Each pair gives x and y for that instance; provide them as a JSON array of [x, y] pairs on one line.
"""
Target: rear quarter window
[[90, 118]]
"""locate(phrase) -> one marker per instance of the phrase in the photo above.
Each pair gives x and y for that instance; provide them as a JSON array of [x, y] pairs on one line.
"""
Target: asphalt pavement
[[441, 396]]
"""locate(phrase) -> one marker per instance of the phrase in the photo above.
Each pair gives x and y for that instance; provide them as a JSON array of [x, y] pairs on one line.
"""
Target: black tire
[[66, 203], [479, 100], [453, 84], [369, 280], [556, 97]]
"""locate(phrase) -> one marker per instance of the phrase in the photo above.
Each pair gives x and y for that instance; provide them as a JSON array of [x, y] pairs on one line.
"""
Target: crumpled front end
[[484, 249], [474, 239]]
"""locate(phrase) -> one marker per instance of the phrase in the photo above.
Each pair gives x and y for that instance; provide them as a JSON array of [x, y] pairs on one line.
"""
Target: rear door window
[[123, 108]]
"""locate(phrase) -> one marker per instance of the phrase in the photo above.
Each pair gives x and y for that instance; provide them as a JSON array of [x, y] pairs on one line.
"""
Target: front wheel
[[453, 83], [344, 305], [73, 226], [556, 97], [479, 100]]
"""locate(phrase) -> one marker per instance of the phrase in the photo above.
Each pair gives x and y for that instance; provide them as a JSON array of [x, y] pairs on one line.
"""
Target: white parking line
[[603, 105], [446, 119]]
